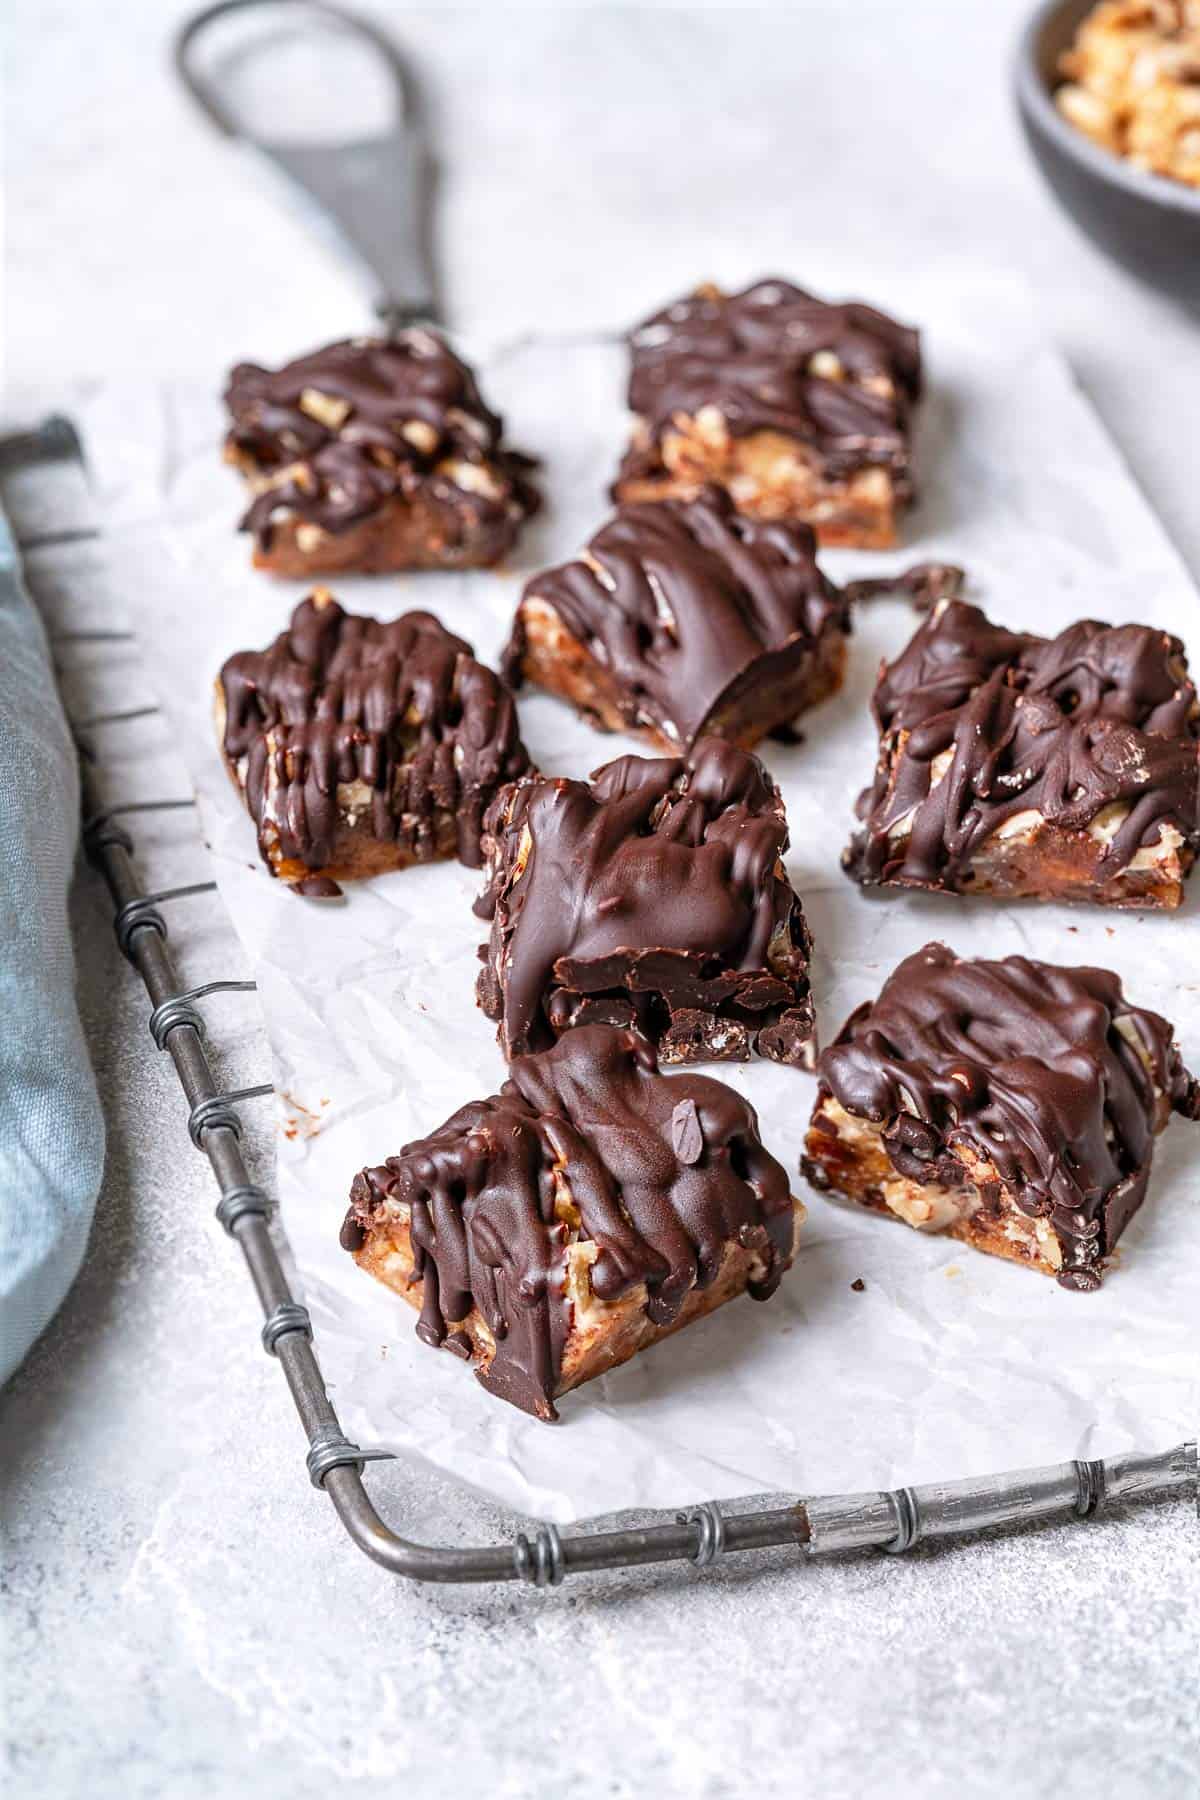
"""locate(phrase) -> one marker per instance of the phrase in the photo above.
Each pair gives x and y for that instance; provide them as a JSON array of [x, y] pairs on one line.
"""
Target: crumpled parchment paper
[[947, 1363]]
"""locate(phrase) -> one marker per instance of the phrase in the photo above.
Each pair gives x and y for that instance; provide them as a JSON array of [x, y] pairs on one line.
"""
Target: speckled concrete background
[[183, 1616]]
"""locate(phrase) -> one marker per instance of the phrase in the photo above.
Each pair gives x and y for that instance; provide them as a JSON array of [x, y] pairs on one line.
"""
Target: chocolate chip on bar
[[685, 618], [1055, 768], [652, 895], [592, 1207], [800, 409], [1013, 1105], [360, 746], [372, 455]]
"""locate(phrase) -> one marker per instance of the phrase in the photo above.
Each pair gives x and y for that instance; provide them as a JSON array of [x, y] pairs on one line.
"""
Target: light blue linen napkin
[[51, 1128]]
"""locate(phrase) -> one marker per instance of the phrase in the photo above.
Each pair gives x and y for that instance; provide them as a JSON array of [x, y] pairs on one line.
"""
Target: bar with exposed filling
[[372, 455], [1012, 1104], [1054, 768], [653, 895], [799, 408], [685, 618], [360, 746], [590, 1208]]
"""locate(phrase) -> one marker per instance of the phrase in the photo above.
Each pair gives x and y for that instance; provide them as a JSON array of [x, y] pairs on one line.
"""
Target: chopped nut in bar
[[799, 408], [373, 455], [653, 895], [360, 746], [1013, 1105], [592, 1207], [1053, 768], [682, 619]]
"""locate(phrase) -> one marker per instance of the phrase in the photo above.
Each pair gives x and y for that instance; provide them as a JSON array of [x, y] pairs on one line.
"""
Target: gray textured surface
[[184, 1618]]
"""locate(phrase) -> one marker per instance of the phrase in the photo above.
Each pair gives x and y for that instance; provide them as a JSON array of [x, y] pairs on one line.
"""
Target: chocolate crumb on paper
[[923, 585]]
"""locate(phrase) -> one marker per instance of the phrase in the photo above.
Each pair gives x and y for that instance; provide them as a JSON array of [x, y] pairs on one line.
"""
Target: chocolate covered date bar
[[685, 618], [1055, 768], [371, 455], [1011, 1104], [590, 1208], [652, 895], [800, 409], [361, 746]]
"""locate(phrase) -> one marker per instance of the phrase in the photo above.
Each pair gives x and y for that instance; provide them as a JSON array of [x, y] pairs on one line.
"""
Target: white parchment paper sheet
[[948, 1363]]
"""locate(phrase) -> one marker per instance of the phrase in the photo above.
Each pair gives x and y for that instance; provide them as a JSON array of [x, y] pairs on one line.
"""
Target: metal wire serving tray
[[372, 190], [541, 1554]]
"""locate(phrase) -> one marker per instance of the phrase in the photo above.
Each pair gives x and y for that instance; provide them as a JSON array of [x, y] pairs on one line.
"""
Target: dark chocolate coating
[[650, 895], [349, 470], [680, 599], [402, 706], [748, 355], [1063, 726], [663, 1172], [1028, 1064]]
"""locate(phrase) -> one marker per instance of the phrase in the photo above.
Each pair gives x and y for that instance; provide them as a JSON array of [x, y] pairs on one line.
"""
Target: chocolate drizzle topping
[[651, 895], [402, 707], [356, 424], [750, 355], [1063, 726], [681, 600], [578, 1147], [1045, 1072], [923, 585]]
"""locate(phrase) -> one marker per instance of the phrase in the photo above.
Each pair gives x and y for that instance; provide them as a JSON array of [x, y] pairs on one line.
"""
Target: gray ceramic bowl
[[1149, 223]]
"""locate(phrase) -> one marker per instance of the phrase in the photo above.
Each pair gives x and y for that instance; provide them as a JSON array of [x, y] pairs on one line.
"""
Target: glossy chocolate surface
[[654, 895], [1061, 727], [360, 423], [586, 1143], [401, 709], [751, 357], [679, 600], [1047, 1073]]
